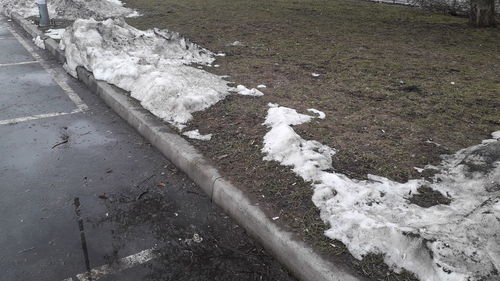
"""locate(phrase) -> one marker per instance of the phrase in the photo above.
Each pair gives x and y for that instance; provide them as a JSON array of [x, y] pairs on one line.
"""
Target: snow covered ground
[[70, 9], [459, 241]]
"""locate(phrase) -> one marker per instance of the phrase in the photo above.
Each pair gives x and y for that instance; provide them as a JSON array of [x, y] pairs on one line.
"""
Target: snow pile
[[55, 34], [321, 114], [39, 42], [244, 91], [70, 9], [455, 242], [195, 134], [25, 8], [152, 65]]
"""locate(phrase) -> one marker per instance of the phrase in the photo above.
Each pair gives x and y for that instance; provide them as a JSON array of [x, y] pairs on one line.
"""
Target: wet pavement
[[84, 197]]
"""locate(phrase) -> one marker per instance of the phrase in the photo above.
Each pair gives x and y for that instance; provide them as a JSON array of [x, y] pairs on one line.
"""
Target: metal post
[[43, 11]]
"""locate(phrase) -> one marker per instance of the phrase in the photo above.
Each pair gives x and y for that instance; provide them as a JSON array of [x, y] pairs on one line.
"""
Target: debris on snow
[[455, 242], [153, 65], [195, 134], [55, 34], [242, 90], [70, 9], [321, 114], [39, 42]]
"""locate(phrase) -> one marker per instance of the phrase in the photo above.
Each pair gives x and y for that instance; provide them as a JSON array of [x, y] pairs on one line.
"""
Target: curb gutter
[[298, 257]]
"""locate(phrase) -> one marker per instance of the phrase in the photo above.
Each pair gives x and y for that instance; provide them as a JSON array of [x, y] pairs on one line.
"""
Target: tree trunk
[[482, 13]]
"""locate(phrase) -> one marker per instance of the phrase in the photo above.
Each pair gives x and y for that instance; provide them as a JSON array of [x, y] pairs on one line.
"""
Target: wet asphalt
[[83, 191]]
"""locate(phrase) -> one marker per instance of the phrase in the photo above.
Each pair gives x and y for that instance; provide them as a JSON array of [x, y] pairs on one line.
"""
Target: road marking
[[57, 77], [122, 264], [18, 63], [36, 117]]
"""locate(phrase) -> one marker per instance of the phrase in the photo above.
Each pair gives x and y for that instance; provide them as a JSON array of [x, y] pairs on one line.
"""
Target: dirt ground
[[400, 86]]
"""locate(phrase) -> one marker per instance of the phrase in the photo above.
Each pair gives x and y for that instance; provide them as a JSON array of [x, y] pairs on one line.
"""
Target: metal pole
[[43, 11]]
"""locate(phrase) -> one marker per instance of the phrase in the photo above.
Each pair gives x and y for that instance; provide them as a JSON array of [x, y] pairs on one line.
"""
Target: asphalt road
[[84, 197]]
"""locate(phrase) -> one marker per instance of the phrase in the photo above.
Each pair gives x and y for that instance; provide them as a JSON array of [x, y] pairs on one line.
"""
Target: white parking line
[[57, 77], [36, 117], [18, 63], [122, 264]]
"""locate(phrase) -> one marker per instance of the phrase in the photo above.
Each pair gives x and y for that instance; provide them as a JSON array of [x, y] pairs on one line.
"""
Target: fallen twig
[[59, 143]]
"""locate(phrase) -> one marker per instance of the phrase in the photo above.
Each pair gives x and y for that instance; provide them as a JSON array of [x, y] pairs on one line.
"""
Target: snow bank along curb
[[300, 259]]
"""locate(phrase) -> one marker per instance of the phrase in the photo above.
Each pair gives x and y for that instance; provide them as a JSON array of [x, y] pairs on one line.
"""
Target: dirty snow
[[39, 42], [152, 65], [70, 9], [455, 242], [242, 90], [195, 134], [55, 34]]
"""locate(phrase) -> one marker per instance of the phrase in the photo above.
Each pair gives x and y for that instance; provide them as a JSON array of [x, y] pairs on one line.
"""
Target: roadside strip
[[297, 256]]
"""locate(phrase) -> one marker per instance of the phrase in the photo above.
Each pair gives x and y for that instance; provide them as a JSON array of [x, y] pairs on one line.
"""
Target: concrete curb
[[298, 257]]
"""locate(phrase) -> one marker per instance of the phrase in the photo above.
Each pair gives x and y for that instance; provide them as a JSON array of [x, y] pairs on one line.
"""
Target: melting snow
[[321, 114], [152, 65], [56, 34], [39, 42], [420, 170], [195, 134], [242, 90], [496, 135], [261, 86], [455, 242], [70, 9]]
